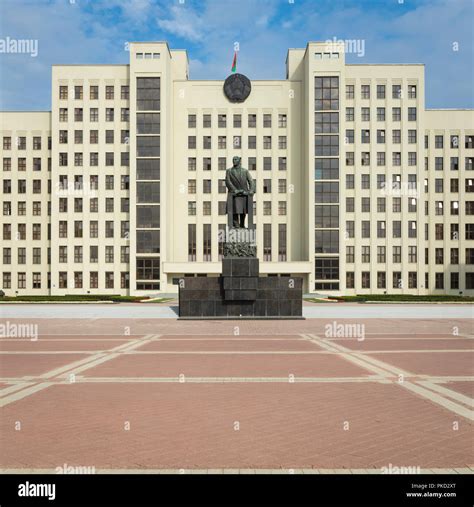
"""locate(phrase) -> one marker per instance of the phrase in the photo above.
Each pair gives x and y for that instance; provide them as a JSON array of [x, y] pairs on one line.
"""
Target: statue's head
[[236, 161]]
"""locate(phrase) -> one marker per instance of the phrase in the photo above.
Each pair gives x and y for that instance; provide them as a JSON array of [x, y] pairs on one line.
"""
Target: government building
[[120, 188]]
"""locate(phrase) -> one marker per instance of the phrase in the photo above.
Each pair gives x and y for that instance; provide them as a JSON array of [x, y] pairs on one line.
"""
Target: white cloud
[[183, 23]]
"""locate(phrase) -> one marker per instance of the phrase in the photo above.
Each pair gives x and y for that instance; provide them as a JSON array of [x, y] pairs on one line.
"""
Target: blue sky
[[96, 31]]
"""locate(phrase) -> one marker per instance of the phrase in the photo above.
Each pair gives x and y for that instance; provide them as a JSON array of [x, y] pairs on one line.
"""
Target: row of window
[[411, 208], [77, 92], [221, 206], [223, 164], [222, 189], [20, 143], [330, 120], [109, 136], [108, 158], [78, 226], [365, 158], [324, 123], [68, 184], [397, 91], [237, 120], [237, 142], [380, 136], [453, 141], [365, 227], [94, 114], [22, 208], [147, 56], [64, 185], [411, 255], [397, 280], [63, 254], [365, 254], [76, 281], [395, 185], [331, 189], [21, 164], [396, 137]]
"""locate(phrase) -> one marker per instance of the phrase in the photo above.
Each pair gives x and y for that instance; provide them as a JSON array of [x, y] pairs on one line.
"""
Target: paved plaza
[[125, 392]]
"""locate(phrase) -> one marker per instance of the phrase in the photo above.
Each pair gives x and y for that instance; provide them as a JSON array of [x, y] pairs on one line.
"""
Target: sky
[[438, 33]]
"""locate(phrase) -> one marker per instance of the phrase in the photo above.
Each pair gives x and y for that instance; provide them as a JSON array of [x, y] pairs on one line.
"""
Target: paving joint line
[[423, 392], [70, 369]]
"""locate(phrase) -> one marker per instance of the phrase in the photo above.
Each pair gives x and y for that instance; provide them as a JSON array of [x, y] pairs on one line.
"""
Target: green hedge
[[401, 297], [94, 297]]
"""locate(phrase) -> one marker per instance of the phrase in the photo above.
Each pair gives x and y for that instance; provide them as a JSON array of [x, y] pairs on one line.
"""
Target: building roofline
[[384, 64], [222, 80], [90, 65], [449, 109]]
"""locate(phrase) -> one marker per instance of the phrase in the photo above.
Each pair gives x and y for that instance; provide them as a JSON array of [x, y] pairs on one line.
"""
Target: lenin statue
[[240, 186]]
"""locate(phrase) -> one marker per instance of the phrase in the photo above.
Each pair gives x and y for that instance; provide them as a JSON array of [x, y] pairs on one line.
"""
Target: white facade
[[144, 150]]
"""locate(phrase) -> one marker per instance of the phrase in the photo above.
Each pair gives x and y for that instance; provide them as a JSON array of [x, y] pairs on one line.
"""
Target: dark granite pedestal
[[240, 293]]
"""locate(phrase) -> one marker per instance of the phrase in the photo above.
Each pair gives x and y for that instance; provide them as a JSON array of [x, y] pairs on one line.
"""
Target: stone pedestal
[[240, 293]]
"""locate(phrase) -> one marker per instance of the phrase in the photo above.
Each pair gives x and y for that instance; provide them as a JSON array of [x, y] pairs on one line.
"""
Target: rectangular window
[[206, 244], [191, 242], [267, 242], [365, 91], [206, 121], [148, 94], [148, 146], [221, 121], [148, 123], [326, 93]]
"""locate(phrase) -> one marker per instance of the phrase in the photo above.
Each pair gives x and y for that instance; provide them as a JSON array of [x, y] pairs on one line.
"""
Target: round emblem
[[237, 87]]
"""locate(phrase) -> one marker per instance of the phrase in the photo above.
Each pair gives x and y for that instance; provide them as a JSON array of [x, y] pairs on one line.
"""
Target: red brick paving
[[19, 365], [60, 345], [226, 365], [317, 326], [466, 388], [237, 344], [413, 344], [191, 425], [446, 363], [198, 335]]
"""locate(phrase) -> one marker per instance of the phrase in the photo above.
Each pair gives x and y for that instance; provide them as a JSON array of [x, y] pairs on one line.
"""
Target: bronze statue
[[241, 188]]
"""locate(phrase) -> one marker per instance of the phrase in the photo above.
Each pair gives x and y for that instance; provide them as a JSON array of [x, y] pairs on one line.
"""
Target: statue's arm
[[228, 183]]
